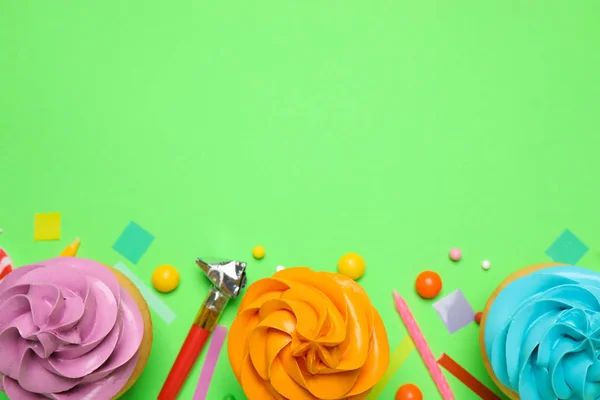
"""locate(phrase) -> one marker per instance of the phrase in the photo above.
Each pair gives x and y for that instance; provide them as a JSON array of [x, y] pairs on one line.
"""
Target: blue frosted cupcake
[[540, 333]]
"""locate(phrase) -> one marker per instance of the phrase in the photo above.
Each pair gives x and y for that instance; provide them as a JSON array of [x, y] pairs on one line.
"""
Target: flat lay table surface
[[393, 129]]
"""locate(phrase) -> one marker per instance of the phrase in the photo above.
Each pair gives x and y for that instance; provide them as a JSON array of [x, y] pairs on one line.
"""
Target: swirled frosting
[[307, 335], [542, 334], [68, 331]]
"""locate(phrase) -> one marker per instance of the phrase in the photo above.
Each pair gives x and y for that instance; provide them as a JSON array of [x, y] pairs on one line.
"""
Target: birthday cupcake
[[307, 335], [71, 329], [540, 333]]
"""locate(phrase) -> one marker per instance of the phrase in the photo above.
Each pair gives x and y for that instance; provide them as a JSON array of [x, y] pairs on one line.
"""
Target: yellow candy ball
[[165, 278], [258, 252], [352, 265]]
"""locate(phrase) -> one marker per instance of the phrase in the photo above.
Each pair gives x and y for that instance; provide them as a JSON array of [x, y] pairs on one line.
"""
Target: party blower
[[228, 279]]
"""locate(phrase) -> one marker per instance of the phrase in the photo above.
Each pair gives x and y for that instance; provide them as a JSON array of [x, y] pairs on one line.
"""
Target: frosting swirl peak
[[542, 334], [68, 331]]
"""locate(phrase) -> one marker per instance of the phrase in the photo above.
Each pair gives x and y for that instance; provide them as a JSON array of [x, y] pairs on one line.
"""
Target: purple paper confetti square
[[455, 311]]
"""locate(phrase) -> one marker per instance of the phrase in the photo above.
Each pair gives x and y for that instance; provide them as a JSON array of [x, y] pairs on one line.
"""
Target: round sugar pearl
[[455, 254], [478, 317], [165, 278], [428, 284], [279, 268], [409, 392], [352, 265], [258, 252], [486, 264]]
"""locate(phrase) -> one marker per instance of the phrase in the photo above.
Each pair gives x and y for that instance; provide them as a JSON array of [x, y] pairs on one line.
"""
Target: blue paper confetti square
[[133, 242], [567, 249]]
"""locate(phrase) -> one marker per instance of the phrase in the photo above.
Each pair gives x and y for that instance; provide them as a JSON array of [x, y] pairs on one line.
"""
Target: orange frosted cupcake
[[307, 335]]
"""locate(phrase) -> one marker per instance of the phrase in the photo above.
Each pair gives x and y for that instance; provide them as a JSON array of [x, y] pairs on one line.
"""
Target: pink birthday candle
[[417, 336]]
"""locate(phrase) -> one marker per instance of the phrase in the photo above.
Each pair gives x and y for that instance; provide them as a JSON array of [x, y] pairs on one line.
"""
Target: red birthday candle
[[5, 263]]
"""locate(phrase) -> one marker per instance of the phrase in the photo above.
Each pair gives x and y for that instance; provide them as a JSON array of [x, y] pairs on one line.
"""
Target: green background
[[394, 129]]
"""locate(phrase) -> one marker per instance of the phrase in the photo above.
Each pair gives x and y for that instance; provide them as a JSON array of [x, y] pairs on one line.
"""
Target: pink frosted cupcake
[[71, 329]]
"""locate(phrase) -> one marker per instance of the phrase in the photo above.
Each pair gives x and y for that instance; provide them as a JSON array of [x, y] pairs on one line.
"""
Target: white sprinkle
[[279, 268], [486, 264], [1, 230]]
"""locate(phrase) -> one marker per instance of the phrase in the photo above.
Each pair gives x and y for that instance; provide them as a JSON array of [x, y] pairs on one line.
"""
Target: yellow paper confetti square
[[46, 226]]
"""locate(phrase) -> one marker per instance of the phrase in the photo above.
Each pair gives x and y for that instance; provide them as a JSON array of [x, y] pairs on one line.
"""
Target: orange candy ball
[[428, 284], [478, 317], [409, 392]]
